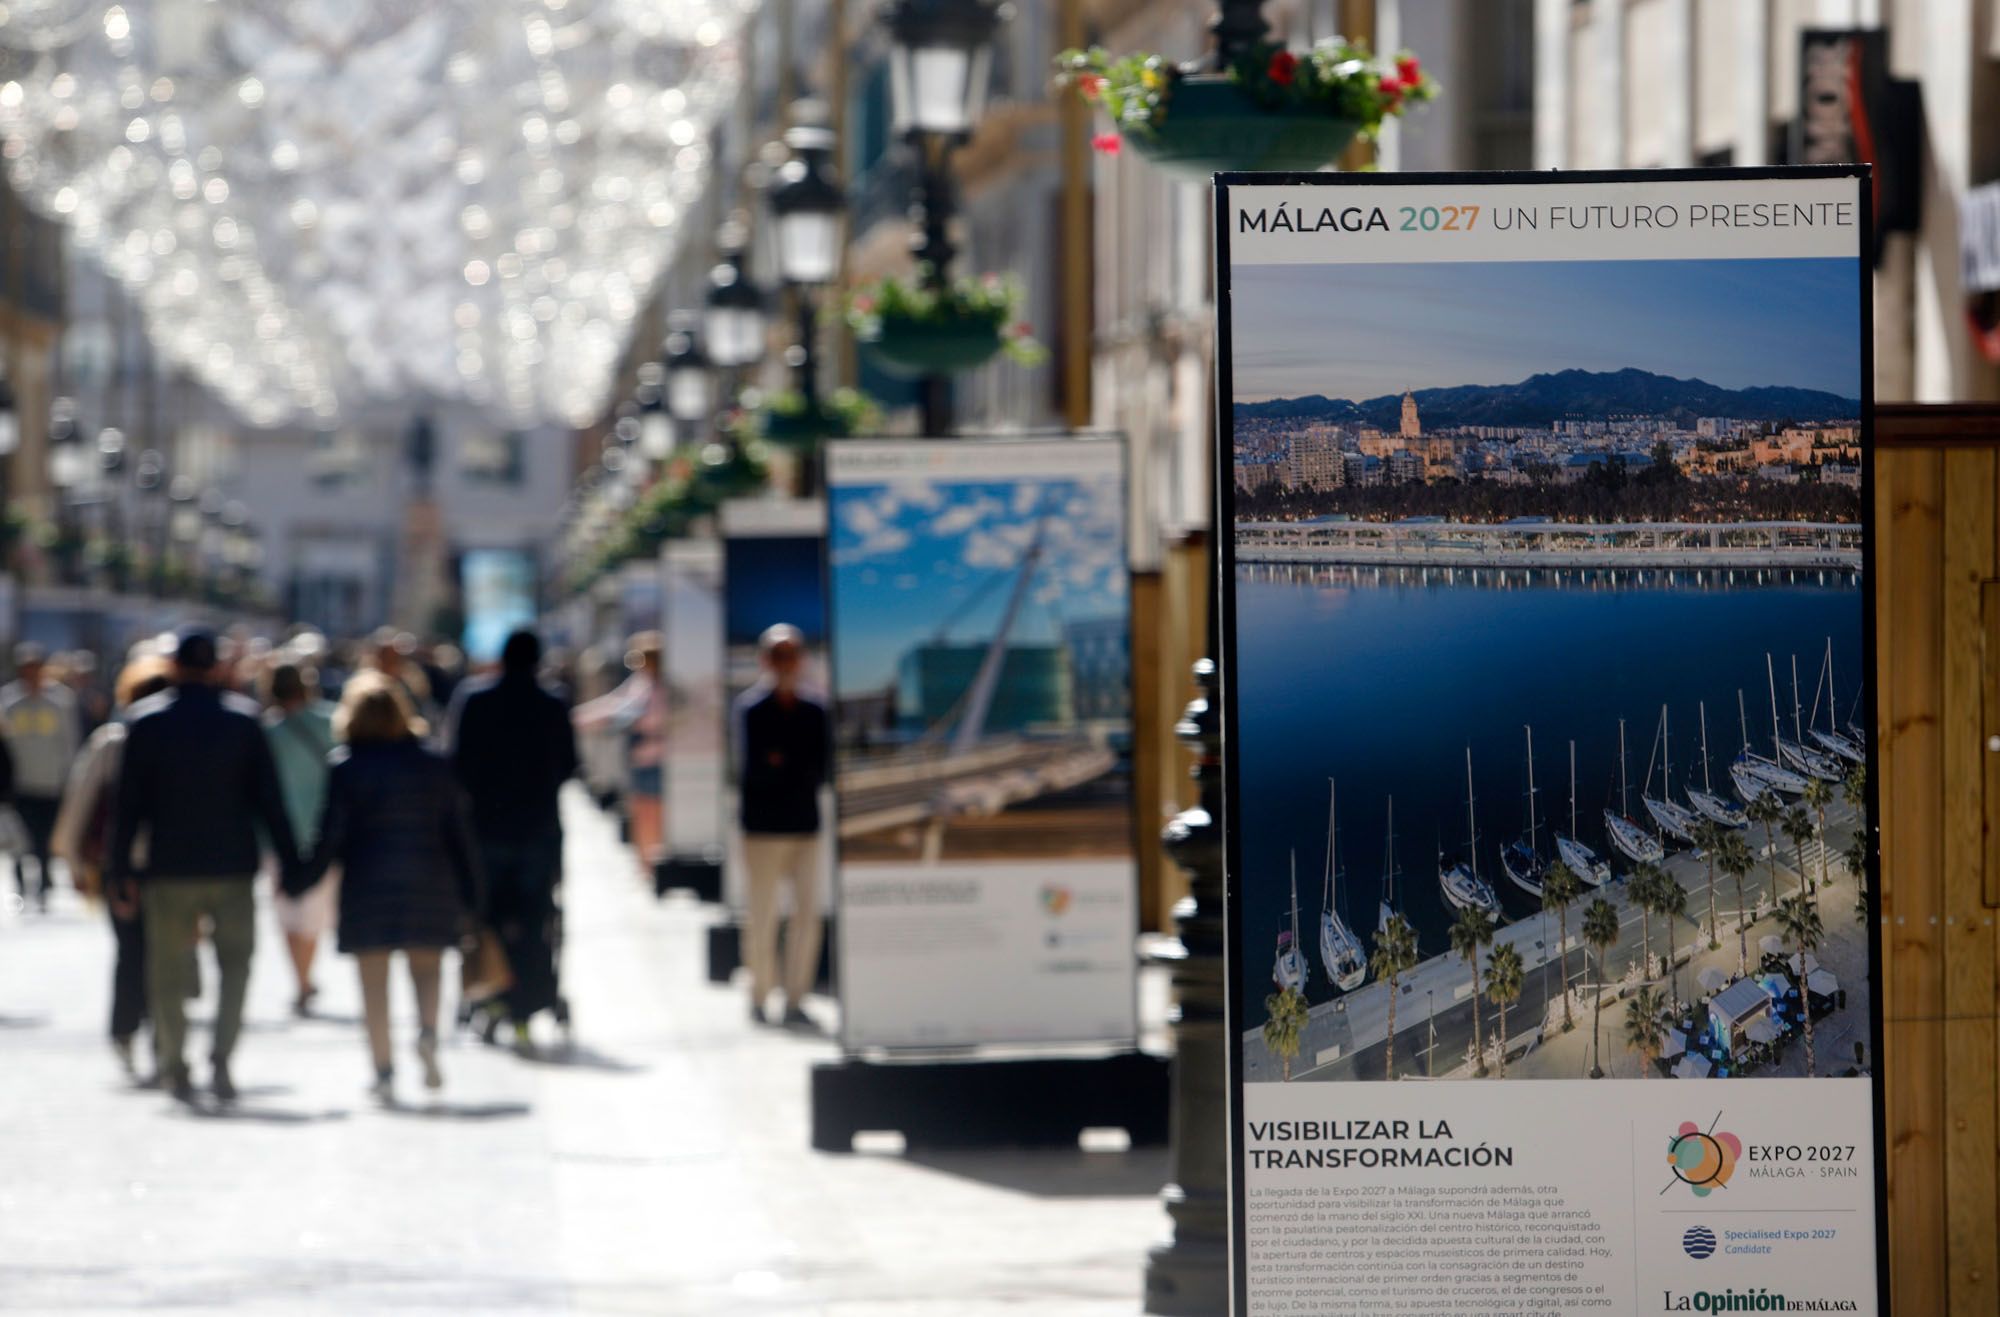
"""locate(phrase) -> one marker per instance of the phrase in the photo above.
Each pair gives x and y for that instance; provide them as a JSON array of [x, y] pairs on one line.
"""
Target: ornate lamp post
[[733, 319], [939, 65], [690, 378], [656, 427], [111, 471], [808, 206], [184, 525], [10, 438], [150, 479], [70, 464]]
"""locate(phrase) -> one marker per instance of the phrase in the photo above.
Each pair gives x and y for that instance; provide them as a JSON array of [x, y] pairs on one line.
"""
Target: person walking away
[[783, 735], [395, 822], [638, 708], [40, 719], [513, 748], [299, 727], [196, 778], [82, 837]]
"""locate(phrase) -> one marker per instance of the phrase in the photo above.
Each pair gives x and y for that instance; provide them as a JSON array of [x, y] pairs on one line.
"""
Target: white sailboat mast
[[1471, 827]]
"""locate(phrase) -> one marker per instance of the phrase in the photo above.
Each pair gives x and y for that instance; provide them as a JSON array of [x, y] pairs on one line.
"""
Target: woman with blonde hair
[[395, 822], [82, 834]]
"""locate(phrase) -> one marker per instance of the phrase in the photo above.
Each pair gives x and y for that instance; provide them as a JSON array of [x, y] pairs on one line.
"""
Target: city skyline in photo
[[1362, 331]]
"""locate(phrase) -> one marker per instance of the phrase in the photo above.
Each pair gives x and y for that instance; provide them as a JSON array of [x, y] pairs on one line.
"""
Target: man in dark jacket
[[196, 782], [513, 747], [783, 738]]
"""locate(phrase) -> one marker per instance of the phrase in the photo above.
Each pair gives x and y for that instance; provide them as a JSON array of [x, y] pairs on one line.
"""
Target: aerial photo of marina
[[1551, 721]]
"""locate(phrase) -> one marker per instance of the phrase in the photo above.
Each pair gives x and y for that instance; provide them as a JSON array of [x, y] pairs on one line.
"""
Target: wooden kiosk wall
[[1937, 584]]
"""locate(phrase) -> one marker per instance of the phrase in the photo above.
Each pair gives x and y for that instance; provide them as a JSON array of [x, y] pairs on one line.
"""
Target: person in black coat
[[395, 822], [513, 748]]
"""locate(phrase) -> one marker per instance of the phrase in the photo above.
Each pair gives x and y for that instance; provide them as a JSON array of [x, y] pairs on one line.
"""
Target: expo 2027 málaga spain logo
[[1703, 1160]]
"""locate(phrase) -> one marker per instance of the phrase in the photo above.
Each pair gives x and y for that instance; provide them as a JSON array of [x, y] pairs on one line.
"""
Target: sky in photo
[[910, 556], [1360, 331], [772, 579]]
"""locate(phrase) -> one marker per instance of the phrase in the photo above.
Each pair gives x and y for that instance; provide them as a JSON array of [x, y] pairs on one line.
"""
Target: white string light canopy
[[323, 202]]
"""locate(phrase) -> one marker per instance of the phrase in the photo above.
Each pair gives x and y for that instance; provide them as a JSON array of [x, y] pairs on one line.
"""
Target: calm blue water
[[1381, 678]]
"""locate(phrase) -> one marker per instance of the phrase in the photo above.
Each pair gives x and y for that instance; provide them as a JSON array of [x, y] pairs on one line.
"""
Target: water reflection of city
[[1561, 578]]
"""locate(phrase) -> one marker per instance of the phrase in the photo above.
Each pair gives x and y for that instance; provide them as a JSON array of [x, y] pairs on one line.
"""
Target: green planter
[[802, 427], [1212, 127], [915, 348]]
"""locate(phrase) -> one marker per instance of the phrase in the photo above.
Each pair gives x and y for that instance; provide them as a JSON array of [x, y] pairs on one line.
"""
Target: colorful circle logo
[[1699, 1242], [1703, 1161]]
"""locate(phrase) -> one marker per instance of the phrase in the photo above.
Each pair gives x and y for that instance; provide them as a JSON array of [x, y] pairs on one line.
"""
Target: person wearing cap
[[782, 733], [198, 782], [638, 708], [40, 722]]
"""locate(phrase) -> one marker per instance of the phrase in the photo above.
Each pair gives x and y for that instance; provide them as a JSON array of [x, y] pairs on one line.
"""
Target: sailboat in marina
[[1626, 835], [1847, 747], [1582, 860], [1754, 774], [1339, 950], [1521, 859], [1810, 762], [1387, 909], [1461, 883], [1668, 813], [1704, 798], [1289, 972]]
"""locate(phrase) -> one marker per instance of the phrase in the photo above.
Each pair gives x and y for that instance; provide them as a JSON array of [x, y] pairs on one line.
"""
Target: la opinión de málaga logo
[[1056, 899], [1703, 1160], [1699, 1243]]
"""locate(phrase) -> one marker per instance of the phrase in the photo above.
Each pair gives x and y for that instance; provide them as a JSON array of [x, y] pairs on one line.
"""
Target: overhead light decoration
[[321, 202]]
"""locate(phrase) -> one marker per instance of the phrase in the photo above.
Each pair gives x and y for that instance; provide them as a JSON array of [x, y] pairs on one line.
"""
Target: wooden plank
[[1971, 1248], [1910, 670], [1990, 732]]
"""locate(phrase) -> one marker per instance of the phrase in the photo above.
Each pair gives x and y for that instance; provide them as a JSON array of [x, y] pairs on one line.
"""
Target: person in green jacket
[[299, 728]]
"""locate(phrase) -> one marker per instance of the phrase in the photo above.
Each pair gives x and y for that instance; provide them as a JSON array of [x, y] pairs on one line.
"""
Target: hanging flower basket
[[911, 329], [784, 418], [1272, 109]]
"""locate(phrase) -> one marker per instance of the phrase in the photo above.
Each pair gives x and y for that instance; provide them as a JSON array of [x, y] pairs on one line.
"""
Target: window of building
[[492, 458]]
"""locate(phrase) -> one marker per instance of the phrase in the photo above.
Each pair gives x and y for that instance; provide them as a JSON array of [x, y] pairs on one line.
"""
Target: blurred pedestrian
[[395, 822], [393, 654], [40, 719], [197, 780], [783, 735], [82, 837], [638, 709], [513, 748], [299, 726]]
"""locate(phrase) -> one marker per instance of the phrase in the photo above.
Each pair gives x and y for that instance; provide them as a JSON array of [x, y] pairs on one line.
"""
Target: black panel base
[[972, 1103], [702, 877], [725, 953]]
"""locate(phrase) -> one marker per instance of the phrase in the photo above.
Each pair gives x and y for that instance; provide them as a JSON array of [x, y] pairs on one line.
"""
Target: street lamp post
[[69, 471], [150, 479], [10, 439], [111, 472], [807, 204], [183, 527], [689, 377], [940, 62], [733, 319]]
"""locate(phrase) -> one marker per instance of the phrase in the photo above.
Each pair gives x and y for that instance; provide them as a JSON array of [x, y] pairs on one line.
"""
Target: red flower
[[1090, 85], [1391, 88], [864, 304], [1022, 329], [1284, 65], [1106, 143], [1409, 71]]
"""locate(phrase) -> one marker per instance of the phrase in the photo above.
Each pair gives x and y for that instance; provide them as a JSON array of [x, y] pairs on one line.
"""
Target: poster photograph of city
[[1548, 669], [981, 661]]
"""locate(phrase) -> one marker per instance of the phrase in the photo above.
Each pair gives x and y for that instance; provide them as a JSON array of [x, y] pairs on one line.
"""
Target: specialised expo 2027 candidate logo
[[1703, 1160]]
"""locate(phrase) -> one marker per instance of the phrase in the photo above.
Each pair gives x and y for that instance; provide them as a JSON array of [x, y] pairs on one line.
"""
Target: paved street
[[659, 1167]]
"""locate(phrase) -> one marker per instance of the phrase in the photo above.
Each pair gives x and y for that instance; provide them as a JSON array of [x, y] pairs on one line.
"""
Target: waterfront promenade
[[1721, 546], [1345, 1037]]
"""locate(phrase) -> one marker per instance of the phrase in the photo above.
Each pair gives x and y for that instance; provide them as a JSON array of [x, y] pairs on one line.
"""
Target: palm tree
[[1285, 1026], [1600, 931], [1643, 887], [1472, 930], [1819, 794], [1671, 903], [1394, 955], [1504, 974], [1854, 787], [1767, 809], [1708, 835], [1798, 829], [1856, 859], [1799, 918], [1643, 1031], [1560, 888], [1736, 860]]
